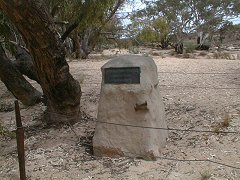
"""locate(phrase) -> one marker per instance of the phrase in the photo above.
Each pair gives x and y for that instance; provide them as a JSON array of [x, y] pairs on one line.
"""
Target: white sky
[[236, 20], [137, 5]]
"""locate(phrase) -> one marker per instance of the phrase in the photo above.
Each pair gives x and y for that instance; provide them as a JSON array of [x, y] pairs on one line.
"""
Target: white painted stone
[[131, 104]]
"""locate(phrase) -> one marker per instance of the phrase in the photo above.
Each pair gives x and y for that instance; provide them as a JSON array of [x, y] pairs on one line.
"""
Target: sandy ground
[[198, 94]]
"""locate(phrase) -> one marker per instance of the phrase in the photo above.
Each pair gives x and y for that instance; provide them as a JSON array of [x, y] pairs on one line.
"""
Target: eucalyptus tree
[[154, 31], [187, 16], [85, 19], [10, 71], [46, 47], [38, 23]]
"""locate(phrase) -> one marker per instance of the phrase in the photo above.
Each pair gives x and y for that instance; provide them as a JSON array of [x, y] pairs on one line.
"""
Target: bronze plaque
[[122, 75]]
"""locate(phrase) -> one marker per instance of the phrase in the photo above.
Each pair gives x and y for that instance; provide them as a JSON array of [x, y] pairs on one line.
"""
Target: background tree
[[188, 16], [86, 18]]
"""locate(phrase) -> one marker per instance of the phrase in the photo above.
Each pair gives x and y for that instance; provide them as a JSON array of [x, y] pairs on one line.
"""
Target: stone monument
[[130, 104]]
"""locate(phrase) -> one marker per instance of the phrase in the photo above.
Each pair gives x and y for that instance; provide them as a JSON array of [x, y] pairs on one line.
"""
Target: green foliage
[[190, 46], [186, 16], [147, 35], [155, 31], [126, 43], [86, 13], [161, 26]]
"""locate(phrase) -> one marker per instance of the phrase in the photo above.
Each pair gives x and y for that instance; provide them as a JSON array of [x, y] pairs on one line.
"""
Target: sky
[[236, 20], [138, 5]]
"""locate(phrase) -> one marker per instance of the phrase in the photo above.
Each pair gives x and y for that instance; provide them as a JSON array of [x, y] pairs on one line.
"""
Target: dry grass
[[205, 175], [6, 106], [225, 123], [6, 133], [186, 55], [222, 55], [203, 53]]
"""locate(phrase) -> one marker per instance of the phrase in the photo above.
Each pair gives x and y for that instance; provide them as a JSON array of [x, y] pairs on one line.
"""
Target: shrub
[[203, 53], [222, 55], [190, 47], [134, 50]]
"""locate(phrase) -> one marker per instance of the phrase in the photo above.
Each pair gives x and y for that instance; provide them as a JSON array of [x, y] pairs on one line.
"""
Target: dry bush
[[134, 50], [156, 53], [222, 55], [172, 53], [225, 123], [203, 53], [187, 56], [205, 175]]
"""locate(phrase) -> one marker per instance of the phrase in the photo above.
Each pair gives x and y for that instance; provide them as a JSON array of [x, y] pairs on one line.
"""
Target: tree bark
[[179, 48], [88, 41], [164, 43], [77, 45], [201, 39], [46, 47], [24, 64], [16, 83], [85, 44]]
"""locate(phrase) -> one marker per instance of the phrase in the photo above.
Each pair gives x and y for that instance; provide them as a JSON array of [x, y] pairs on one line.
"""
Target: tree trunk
[[179, 48], [46, 47], [77, 44], [24, 64], [201, 39], [85, 48], [164, 43], [88, 41], [16, 83]]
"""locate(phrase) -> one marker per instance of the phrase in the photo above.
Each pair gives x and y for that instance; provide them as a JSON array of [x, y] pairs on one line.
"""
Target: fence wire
[[168, 158], [167, 87], [156, 128], [168, 128]]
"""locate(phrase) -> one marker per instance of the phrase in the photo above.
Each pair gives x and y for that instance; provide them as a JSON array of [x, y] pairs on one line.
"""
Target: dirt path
[[198, 94]]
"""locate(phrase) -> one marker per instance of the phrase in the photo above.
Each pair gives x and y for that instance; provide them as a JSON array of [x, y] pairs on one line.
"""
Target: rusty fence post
[[20, 142]]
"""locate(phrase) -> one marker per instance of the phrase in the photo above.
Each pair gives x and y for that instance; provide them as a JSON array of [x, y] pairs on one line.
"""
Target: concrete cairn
[[131, 104]]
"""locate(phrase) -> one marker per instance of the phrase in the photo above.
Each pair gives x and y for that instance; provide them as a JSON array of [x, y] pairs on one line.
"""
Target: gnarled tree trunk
[[24, 64], [46, 47], [16, 83]]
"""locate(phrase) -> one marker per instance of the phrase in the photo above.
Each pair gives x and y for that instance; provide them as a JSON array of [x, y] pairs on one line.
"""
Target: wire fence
[[176, 159], [179, 72], [169, 86], [190, 130], [156, 128]]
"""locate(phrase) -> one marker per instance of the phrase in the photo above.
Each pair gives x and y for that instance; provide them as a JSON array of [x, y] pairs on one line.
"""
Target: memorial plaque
[[122, 75]]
